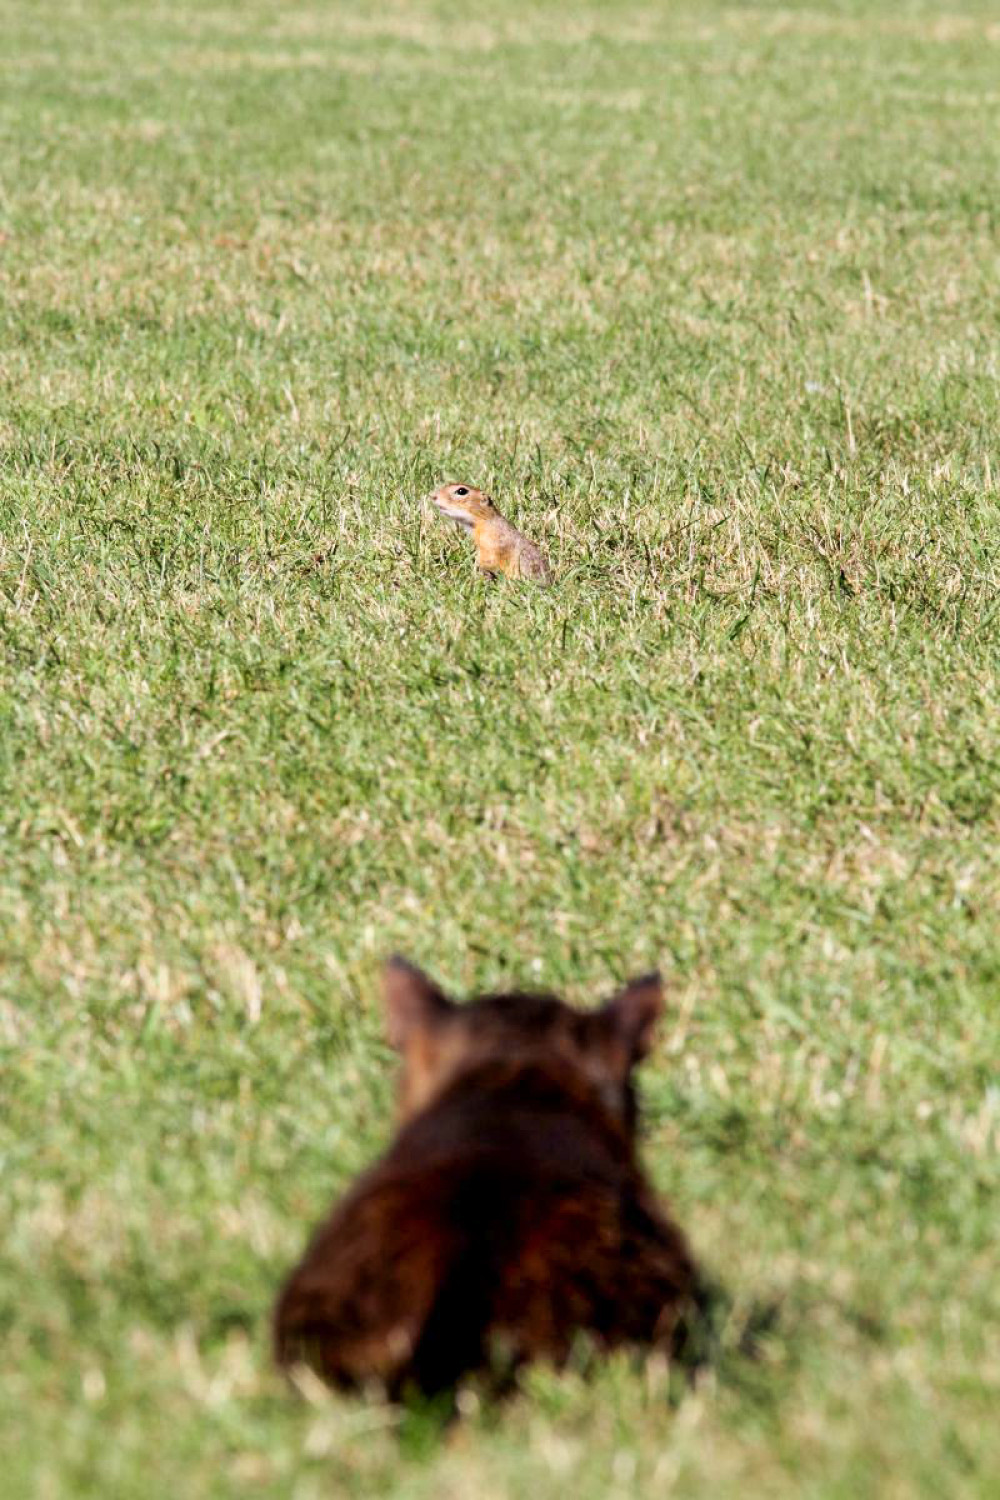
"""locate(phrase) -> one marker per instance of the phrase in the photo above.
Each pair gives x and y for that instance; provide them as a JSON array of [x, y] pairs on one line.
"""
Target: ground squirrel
[[511, 1213], [500, 547]]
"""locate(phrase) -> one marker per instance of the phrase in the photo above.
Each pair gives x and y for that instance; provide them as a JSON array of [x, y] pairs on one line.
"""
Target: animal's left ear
[[632, 1014], [413, 1003]]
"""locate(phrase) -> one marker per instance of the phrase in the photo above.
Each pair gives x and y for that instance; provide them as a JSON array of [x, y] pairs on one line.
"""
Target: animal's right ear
[[413, 1003], [632, 1014]]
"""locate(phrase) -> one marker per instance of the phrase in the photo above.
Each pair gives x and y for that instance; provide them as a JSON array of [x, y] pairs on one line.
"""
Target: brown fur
[[510, 1213], [500, 547]]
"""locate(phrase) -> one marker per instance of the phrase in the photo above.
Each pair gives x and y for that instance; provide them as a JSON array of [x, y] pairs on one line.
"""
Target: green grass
[[706, 294]]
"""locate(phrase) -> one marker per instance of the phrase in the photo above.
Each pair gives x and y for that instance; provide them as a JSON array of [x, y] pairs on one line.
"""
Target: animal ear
[[412, 1001], [632, 1014]]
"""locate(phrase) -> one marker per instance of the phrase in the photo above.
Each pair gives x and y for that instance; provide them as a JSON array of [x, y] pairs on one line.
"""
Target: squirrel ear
[[632, 1015], [412, 1001]]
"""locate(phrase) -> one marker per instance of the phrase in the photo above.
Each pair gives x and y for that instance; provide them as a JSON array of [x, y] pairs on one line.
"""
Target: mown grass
[[706, 293]]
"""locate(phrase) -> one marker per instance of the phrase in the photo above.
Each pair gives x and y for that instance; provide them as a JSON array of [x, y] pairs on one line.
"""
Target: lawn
[[706, 294]]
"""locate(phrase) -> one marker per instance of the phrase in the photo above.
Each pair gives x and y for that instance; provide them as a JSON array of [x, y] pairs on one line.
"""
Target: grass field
[[707, 294]]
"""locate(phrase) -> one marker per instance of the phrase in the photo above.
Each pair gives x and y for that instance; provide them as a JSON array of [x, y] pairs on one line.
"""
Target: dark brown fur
[[510, 1213]]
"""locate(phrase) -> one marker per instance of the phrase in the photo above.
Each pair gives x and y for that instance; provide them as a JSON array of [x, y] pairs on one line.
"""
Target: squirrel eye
[[461, 490]]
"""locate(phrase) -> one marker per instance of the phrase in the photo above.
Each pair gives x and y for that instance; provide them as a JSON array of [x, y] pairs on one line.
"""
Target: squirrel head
[[439, 1040], [463, 503]]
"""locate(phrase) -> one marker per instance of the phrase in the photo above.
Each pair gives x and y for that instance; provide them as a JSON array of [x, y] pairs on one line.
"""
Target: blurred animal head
[[439, 1040], [463, 503], [509, 1216]]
